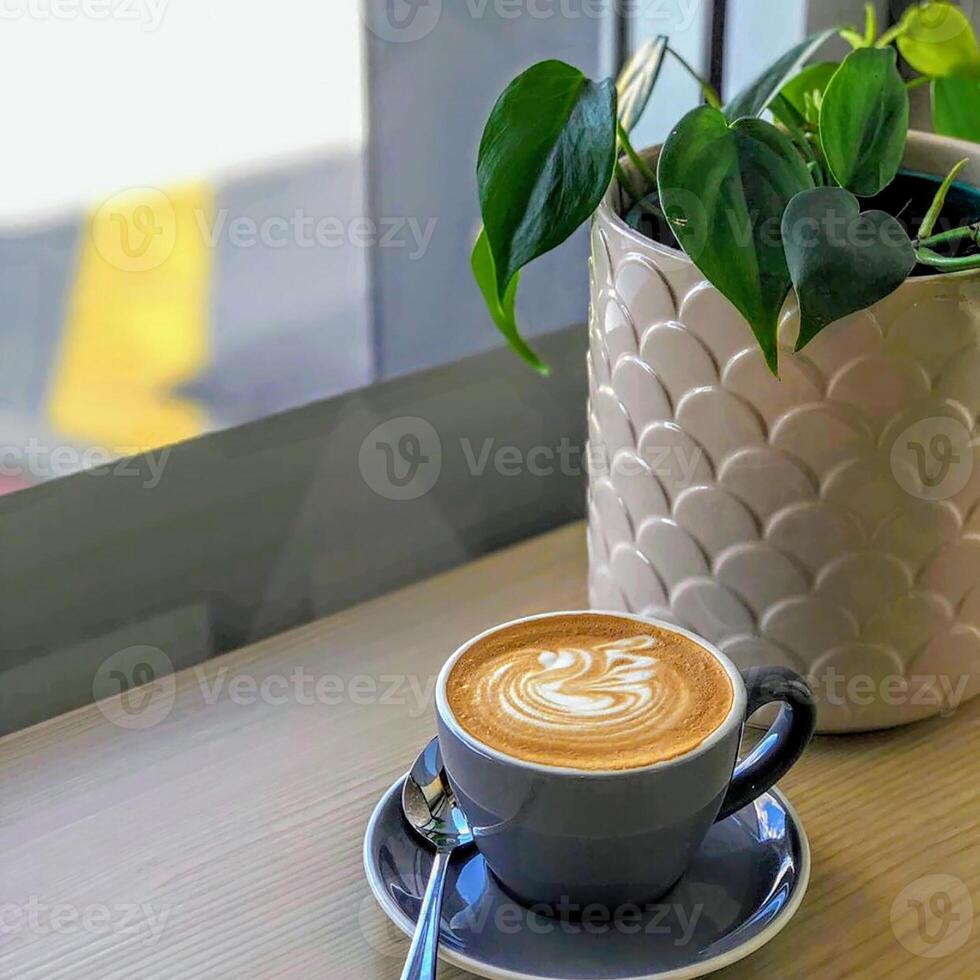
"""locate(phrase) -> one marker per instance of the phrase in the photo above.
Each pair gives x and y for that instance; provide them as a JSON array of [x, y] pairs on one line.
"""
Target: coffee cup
[[558, 823]]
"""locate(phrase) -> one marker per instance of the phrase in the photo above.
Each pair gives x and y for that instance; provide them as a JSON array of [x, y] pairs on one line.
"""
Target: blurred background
[[215, 211]]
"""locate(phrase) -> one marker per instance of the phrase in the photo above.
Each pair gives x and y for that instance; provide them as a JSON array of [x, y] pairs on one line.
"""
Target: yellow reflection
[[137, 322]]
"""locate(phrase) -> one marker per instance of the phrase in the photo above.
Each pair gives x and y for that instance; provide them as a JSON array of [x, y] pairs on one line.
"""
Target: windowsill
[[231, 829]]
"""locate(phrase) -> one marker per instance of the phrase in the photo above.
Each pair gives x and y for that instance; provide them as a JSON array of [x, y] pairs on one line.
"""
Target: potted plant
[[784, 352]]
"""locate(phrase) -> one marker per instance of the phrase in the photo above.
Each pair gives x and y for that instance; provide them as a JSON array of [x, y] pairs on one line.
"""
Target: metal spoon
[[431, 810]]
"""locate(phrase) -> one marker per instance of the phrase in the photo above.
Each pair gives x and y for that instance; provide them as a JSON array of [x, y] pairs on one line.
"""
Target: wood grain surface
[[219, 835]]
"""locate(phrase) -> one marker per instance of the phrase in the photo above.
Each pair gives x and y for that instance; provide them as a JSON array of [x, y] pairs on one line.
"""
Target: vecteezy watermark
[[671, 920], [308, 688], [136, 229], [402, 459], [39, 918], [933, 458], [40, 461], [935, 23], [378, 931], [667, 16], [147, 14], [403, 21], [944, 692], [135, 688], [674, 922], [302, 230], [932, 916]]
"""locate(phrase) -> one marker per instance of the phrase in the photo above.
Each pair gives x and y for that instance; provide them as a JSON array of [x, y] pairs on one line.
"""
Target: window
[[234, 242]]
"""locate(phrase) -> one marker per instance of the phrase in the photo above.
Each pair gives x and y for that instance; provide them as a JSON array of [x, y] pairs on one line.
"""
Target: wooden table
[[224, 840]]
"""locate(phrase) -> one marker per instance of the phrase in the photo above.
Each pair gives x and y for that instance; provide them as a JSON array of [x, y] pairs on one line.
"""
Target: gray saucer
[[742, 888]]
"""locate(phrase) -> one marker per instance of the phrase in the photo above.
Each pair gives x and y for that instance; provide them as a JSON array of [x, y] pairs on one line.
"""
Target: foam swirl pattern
[[791, 522], [578, 698]]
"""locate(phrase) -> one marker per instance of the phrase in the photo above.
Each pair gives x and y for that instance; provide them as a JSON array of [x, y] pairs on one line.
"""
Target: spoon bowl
[[433, 813], [429, 804]]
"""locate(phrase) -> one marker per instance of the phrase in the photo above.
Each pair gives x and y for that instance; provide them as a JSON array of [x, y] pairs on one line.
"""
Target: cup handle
[[782, 745]]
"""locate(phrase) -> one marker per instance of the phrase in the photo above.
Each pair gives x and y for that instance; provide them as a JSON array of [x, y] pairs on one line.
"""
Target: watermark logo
[[413, 20], [933, 459], [378, 931], [43, 461], [39, 918], [135, 688], [674, 922], [401, 459], [942, 692], [935, 23], [933, 916], [300, 229], [136, 229], [147, 13], [401, 21]]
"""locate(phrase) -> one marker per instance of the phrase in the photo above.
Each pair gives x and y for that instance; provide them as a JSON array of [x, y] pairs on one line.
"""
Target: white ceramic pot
[[828, 521]]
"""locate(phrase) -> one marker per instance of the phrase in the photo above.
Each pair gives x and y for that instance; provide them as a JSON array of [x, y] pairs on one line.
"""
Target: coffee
[[589, 691]]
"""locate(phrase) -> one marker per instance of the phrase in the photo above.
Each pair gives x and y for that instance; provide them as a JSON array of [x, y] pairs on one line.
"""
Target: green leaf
[[724, 189], [503, 312], [754, 100], [787, 114], [956, 108], [546, 159], [805, 92], [939, 201], [637, 81], [841, 260], [937, 39], [864, 121]]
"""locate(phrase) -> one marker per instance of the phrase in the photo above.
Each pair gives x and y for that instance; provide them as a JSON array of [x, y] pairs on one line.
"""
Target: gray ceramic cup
[[570, 838]]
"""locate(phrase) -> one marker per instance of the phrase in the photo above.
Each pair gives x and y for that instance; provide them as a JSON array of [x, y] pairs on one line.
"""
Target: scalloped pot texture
[[828, 521]]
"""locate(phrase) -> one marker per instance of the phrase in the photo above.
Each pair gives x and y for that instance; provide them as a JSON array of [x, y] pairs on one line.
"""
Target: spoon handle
[[424, 954]]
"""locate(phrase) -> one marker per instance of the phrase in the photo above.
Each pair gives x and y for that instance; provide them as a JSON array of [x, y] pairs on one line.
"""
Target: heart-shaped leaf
[[637, 80], [805, 92], [841, 260], [754, 100], [938, 40], [546, 159], [864, 121], [724, 189], [503, 312], [956, 108]]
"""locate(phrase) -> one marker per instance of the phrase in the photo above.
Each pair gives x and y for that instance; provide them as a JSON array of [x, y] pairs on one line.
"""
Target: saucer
[[742, 888]]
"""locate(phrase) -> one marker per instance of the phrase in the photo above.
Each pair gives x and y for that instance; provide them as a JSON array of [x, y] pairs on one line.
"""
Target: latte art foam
[[608, 688], [579, 693]]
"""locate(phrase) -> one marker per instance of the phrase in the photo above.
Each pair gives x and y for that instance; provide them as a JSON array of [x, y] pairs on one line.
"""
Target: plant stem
[[799, 137], [955, 235], [870, 24], [625, 186], [892, 34], [641, 165], [917, 82], [652, 208], [939, 201], [708, 90], [959, 264]]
